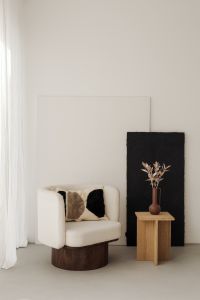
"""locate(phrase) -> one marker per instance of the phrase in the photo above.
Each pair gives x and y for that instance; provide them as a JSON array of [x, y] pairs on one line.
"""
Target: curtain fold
[[12, 110]]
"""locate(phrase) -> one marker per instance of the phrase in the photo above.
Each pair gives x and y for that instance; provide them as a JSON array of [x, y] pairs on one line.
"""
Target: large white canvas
[[83, 140]]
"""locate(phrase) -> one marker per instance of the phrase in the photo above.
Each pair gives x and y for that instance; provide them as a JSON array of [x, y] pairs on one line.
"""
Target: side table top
[[146, 216]]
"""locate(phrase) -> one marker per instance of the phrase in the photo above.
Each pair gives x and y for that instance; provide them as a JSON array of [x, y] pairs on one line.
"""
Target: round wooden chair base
[[81, 258]]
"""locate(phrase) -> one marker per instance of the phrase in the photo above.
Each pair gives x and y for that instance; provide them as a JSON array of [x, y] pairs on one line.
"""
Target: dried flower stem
[[155, 172]]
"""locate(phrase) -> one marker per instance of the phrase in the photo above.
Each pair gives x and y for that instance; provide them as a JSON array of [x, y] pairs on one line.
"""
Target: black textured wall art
[[165, 148]]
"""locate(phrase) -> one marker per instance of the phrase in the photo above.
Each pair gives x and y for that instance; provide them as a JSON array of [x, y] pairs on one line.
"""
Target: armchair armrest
[[51, 219], [112, 199]]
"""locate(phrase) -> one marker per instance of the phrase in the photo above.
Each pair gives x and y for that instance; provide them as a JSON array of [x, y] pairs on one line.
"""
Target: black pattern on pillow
[[63, 194], [95, 203]]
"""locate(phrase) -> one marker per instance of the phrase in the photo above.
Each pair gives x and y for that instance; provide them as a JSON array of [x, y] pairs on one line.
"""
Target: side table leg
[[164, 238], [145, 240], [155, 243]]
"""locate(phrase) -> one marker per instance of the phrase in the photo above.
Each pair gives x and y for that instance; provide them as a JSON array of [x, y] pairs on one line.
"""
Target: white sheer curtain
[[12, 187]]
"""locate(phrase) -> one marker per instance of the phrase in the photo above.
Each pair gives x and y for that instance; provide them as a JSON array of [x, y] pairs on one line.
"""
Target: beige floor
[[33, 278]]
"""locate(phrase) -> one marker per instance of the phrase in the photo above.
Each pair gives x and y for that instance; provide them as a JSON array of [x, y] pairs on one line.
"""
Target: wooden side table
[[153, 236]]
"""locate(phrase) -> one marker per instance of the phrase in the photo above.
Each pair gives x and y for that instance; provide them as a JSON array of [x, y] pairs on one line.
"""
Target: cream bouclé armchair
[[77, 245]]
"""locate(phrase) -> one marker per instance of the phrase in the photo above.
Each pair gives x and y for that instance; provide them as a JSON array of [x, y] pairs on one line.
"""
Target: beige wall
[[121, 48]]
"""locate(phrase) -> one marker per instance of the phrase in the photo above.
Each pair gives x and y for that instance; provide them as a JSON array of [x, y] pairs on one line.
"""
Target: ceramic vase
[[154, 208]]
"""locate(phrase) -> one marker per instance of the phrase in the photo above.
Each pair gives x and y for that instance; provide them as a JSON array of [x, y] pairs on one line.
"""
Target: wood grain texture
[[164, 240], [155, 241], [81, 258], [145, 246], [153, 236], [146, 216]]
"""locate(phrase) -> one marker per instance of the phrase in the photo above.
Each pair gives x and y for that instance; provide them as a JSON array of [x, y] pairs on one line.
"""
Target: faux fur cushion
[[75, 206], [95, 203], [83, 205]]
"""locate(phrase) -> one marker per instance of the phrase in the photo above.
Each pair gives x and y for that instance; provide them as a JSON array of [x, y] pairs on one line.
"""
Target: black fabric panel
[[95, 203], [63, 193], [165, 148]]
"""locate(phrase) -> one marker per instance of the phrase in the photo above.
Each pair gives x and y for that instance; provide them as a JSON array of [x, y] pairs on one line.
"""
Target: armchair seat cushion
[[85, 233]]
